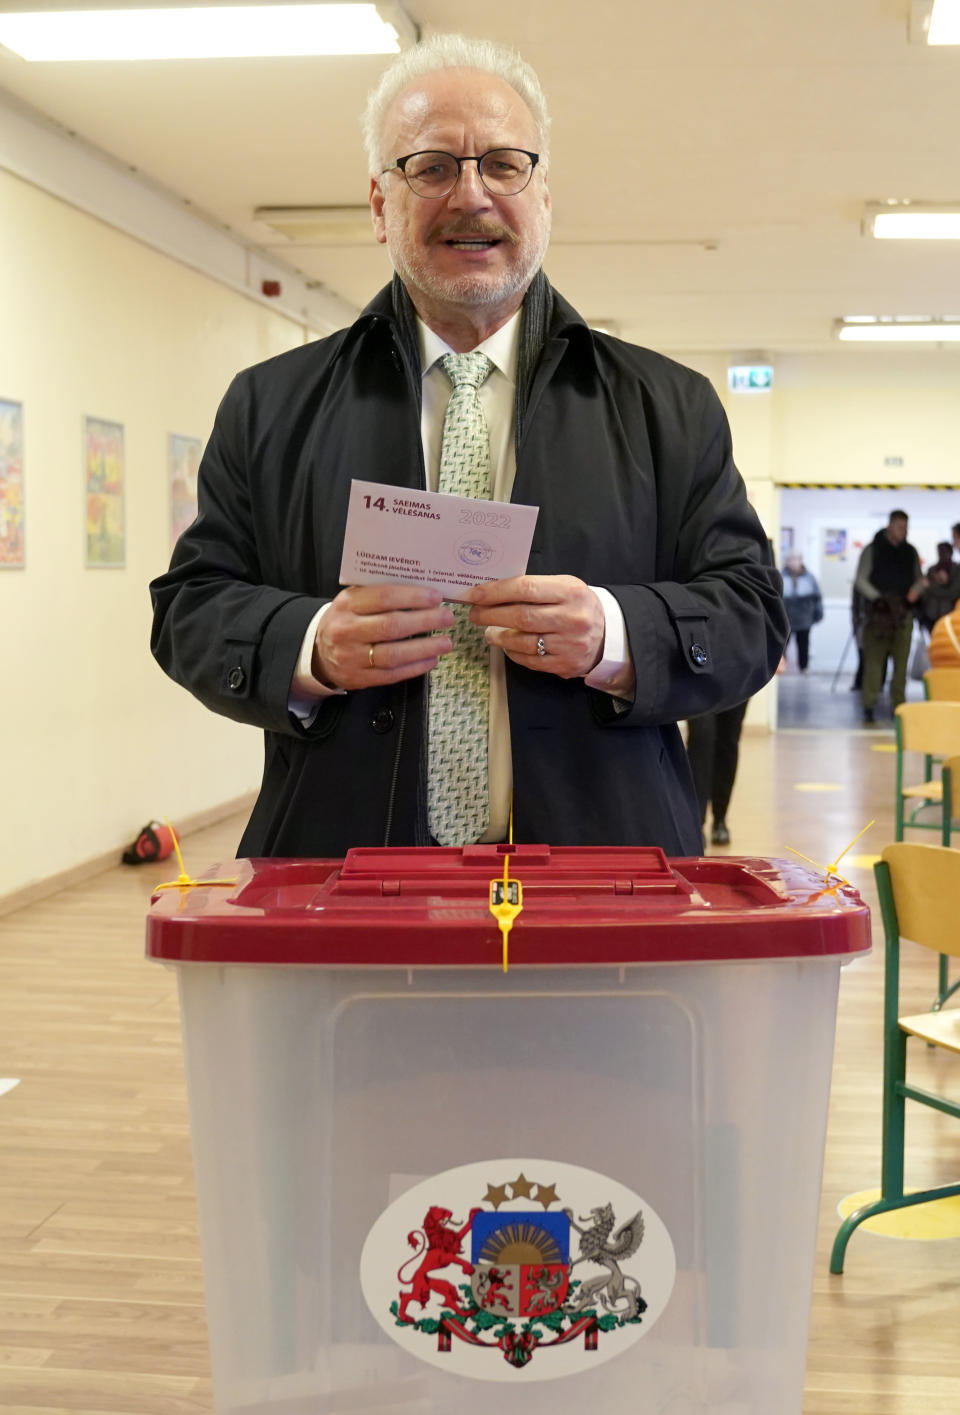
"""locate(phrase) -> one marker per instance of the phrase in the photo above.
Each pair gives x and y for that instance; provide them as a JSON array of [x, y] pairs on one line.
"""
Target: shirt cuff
[[307, 692], [614, 673]]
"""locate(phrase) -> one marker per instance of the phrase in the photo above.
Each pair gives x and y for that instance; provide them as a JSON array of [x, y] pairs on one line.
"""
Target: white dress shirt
[[613, 674]]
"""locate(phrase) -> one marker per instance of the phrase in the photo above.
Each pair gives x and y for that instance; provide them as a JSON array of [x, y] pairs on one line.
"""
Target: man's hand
[[559, 610], [376, 634]]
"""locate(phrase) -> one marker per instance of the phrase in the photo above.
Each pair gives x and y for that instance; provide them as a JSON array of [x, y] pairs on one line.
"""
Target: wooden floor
[[101, 1305]]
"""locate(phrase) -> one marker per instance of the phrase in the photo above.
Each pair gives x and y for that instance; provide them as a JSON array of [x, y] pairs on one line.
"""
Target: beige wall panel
[[839, 416], [95, 739]]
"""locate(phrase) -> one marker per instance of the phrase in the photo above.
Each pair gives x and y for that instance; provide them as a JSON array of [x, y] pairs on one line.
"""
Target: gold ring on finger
[[370, 656]]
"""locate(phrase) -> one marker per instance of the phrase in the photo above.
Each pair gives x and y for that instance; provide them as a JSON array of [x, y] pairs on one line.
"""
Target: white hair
[[453, 51]]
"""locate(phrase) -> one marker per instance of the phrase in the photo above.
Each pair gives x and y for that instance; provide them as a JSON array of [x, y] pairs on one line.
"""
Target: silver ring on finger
[[370, 656], [541, 647]]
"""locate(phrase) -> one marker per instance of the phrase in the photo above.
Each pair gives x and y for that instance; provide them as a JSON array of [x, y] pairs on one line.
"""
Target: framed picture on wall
[[183, 461], [786, 540], [12, 542], [103, 486], [834, 544]]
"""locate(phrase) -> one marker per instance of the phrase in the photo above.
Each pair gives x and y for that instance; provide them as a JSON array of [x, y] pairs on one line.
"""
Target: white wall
[[96, 740]]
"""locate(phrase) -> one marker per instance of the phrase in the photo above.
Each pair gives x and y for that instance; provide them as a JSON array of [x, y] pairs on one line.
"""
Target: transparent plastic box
[[350, 1035]]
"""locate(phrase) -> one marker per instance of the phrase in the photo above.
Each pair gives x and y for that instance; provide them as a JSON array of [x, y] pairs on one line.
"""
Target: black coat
[[628, 456]]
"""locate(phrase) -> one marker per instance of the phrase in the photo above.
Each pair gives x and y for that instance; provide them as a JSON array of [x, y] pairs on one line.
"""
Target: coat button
[[236, 679], [382, 720], [699, 654]]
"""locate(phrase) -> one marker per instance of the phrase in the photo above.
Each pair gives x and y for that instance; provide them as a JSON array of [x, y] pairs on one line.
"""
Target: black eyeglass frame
[[401, 164]]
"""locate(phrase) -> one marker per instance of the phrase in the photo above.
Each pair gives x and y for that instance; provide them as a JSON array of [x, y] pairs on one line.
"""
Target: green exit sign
[[750, 378]]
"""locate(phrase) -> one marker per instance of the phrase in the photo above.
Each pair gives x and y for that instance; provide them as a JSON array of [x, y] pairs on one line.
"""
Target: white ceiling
[[710, 158]]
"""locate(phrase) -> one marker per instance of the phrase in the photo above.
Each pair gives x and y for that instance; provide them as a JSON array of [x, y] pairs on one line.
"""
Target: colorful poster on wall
[[12, 543], [836, 567], [834, 545], [104, 473], [183, 461]]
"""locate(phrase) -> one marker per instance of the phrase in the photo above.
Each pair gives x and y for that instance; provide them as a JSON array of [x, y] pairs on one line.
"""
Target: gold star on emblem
[[496, 1194], [521, 1187], [547, 1194]]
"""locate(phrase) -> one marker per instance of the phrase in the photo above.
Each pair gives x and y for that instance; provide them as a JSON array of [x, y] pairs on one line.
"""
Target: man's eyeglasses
[[504, 171]]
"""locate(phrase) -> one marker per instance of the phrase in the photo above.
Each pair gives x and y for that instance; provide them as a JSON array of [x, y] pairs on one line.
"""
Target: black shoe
[[720, 835], [868, 718]]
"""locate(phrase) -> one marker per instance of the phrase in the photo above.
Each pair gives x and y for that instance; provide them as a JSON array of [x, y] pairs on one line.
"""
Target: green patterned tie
[[458, 795]]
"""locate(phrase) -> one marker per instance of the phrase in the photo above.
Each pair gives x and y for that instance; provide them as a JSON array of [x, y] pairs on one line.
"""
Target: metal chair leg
[[881, 1206]]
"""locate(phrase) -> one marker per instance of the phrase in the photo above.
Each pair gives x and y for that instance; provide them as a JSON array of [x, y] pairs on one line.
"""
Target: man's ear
[[376, 210]]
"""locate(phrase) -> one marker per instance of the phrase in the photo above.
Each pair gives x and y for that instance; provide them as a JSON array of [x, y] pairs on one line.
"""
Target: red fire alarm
[[272, 288]]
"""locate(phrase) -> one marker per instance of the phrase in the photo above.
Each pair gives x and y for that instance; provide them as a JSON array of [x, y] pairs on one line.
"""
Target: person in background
[[713, 748], [943, 588], [890, 580], [955, 532], [804, 605]]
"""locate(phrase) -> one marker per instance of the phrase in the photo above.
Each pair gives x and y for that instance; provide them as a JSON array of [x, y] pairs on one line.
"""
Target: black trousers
[[802, 637], [713, 746]]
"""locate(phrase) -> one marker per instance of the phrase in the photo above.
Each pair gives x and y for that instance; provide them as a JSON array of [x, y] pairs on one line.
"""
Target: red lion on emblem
[[439, 1246], [491, 1286]]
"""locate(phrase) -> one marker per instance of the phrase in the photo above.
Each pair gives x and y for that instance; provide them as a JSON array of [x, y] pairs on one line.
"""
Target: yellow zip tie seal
[[185, 880], [506, 900], [830, 871]]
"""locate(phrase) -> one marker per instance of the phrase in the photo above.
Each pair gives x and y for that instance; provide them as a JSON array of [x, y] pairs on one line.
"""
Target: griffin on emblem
[[613, 1288]]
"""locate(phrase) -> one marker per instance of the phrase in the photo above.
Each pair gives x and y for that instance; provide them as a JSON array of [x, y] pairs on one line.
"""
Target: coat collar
[[565, 322]]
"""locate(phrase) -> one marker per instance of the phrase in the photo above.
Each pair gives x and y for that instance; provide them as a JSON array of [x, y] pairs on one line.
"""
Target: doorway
[[829, 527]]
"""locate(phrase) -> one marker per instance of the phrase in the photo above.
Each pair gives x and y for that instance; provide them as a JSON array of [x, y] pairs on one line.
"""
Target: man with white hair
[[650, 596]]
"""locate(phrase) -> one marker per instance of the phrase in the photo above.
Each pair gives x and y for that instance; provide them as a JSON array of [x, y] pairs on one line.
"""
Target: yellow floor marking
[[884, 747], [860, 862], [940, 1218], [816, 786]]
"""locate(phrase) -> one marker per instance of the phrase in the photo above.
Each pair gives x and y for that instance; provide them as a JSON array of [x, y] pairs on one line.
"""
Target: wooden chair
[[932, 728], [942, 685], [950, 777], [919, 886]]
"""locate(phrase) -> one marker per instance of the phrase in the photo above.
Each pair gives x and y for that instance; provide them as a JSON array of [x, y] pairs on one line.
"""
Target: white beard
[[470, 291]]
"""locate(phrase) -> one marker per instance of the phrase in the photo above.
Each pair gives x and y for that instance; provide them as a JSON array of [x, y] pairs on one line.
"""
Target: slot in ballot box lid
[[582, 906]]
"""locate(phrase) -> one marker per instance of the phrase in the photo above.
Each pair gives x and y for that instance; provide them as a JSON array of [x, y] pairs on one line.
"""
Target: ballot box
[[427, 1185]]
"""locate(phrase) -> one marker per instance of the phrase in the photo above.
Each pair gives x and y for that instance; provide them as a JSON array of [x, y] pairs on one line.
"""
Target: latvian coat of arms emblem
[[539, 1263]]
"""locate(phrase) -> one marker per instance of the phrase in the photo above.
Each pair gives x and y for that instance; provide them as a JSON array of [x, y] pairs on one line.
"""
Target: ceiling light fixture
[[934, 22], [209, 32], [912, 220], [318, 225], [944, 25], [898, 329]]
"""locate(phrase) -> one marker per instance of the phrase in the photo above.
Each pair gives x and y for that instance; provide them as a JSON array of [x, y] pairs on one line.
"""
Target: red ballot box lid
[[582, 906]]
